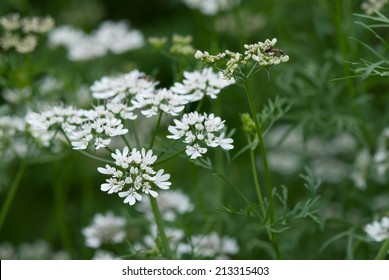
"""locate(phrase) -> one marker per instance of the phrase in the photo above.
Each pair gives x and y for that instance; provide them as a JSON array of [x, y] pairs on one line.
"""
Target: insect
[[276, 52]]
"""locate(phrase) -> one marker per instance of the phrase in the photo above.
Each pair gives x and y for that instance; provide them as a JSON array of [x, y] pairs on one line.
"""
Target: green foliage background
[[58, 198]]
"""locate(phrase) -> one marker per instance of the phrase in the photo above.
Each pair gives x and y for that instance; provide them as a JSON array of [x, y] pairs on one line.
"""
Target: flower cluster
[[378, 231], [135, 90], [371, 6], [199, 131], [199, 83], [81, 127], [211, 7], [133, 175], [115, 37], [261, 53], [106, 228], [22, 33]]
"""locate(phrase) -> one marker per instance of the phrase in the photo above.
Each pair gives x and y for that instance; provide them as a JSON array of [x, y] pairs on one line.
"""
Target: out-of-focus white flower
[[105, 229], [103, 255], [372, 6], [37, 24], [361, 170], [197, 84], [170, 205], [133, 175], [378, 230], [211, 7], [17, 95], [199, 131], [37, 250], [117, 37], [211, 246], [11, 22], [110, 36]]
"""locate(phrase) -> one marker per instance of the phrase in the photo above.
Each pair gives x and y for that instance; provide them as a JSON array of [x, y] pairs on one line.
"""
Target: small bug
[[277, 52]]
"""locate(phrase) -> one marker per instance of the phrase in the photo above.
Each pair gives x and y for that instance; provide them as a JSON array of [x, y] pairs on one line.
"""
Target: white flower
[[212, 246], [372, 6], [199, 131], [199, 83], [104, 229], [195, 151], [211, 7], [134, 175], [159, 100], [378, 231], [110, 36], [161, 180], [122, 86], [117, 37]]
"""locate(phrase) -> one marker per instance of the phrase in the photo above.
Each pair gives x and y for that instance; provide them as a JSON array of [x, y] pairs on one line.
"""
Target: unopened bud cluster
[[261, 53]]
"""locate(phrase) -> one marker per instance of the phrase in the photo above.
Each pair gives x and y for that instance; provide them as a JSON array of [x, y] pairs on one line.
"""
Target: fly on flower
[[275, 51]]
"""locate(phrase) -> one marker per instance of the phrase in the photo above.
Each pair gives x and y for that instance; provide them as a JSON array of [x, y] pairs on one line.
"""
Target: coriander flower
[[133, 175], [199, 132], [122, 86], [82, 127], [160, 100], [106, 228], [199, 83], [378, 231]]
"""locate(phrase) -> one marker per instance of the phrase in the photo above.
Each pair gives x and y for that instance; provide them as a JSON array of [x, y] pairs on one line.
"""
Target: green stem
[[268, 180], [383, 252], [11, 194], [161, 229], [269, 185], [256, 182], [170, 157], [95, 157], [156, 129]]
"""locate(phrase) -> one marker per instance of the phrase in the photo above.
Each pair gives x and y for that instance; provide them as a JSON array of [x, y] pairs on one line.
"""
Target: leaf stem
[[11, 194], [383, 252]]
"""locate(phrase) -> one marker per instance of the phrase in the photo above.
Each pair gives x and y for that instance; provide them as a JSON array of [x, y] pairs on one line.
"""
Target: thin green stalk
[[383, 252], [59, 205], [95, 157], [170, 157], [269, 185], [126, 141], [156, 130], [154, 205], [136, 137], [161, 229], [11, 194], [256, 182]]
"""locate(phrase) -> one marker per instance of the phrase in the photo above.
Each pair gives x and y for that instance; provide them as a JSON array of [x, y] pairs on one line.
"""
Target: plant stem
[[154, 205], [170, 157], [156, 130], [256, 182], [383, 252], [11, 194], [161, 229], [269, 186]]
